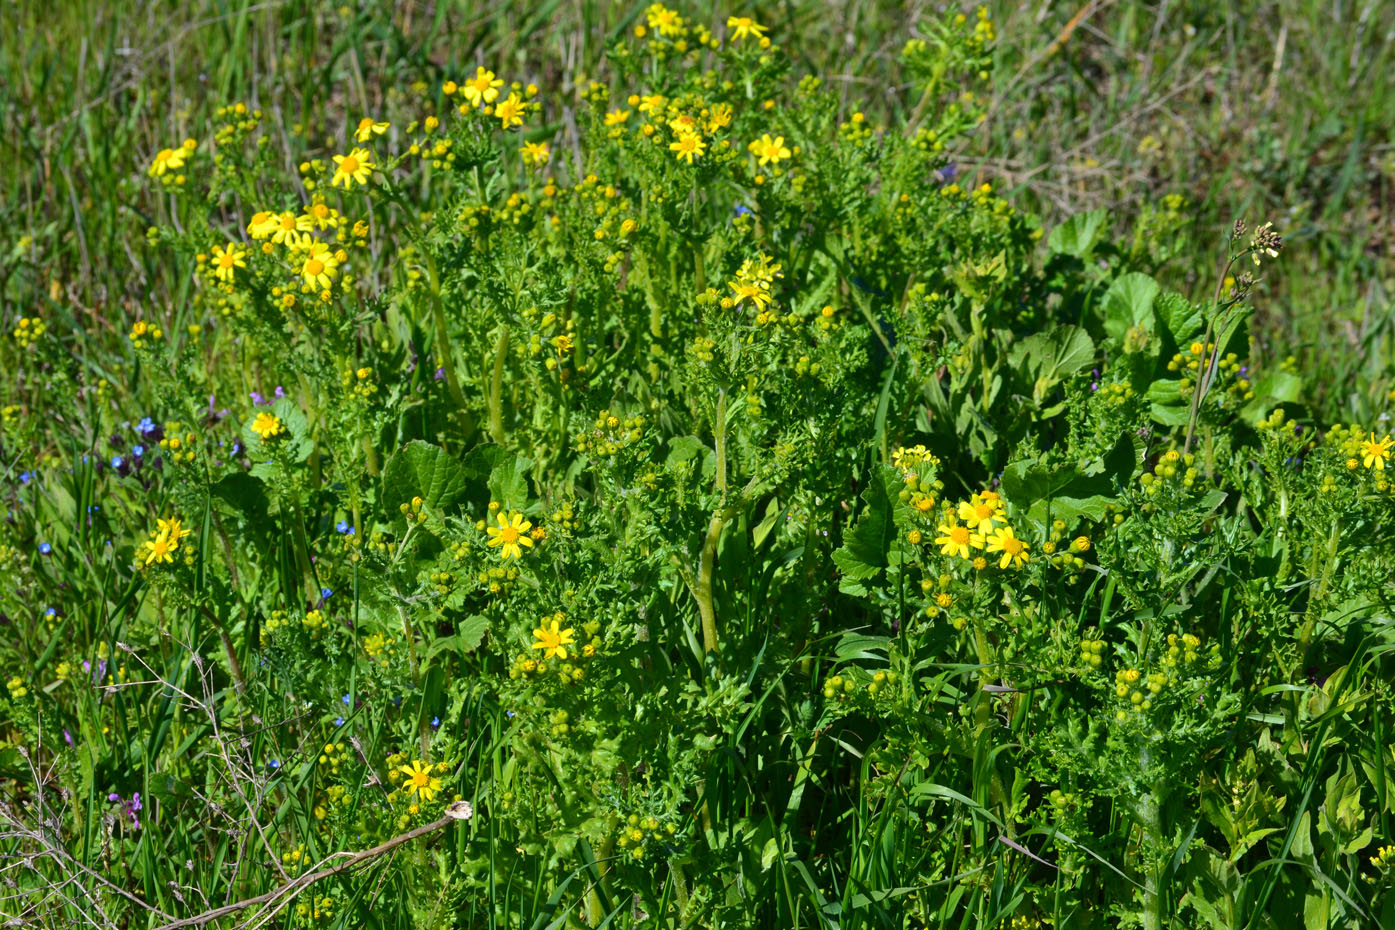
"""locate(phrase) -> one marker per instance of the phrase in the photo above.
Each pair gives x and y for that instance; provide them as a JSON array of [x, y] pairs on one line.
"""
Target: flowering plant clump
[[674, 497]]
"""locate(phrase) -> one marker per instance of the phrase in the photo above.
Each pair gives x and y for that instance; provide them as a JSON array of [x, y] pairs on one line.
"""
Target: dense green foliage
[[695, 493]]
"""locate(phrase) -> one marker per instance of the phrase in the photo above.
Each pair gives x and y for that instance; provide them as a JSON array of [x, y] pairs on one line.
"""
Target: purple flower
[[440, 374], [113, 797], [257, 399]]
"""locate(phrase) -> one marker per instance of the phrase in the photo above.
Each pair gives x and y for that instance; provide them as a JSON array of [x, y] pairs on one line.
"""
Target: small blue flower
[[50, 612], [25, 477], [742, 210], [345, 699], [146, 426], [116, 461], [342, 526], [45, 548], [338, 721], [138, 450], [274, 764], [435, 723], [326, 593]]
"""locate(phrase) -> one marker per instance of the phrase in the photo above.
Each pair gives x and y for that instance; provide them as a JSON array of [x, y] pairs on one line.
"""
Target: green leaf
[[1069, 491], [426, 471], [1078, 235], [1182, 319], [864, 551], [1129, 303], [508, 483], [1275, 388]]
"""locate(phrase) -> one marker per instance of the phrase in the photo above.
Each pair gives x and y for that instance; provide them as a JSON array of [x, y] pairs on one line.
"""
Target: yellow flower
[[353, 167], [510, 112], [1013, 549], [980, 510], [322, 215], [687, 147], [227, 260], [667, 22], [1374, 454], [367, 129], [290, 229], [267, 425], [171, 529], [160, 548], [743, 26], [768, 150], [482, 88], [263, 224], [553, 641], [651, 103], [616, 117], [756, 294], [167, 160], [320, 266], [511, 533], [417, 779], [719, 117], [535, 153], [957, 540]]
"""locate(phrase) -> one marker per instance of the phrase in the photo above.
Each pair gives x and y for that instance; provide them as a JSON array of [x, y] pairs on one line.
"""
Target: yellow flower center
[[983, 511], [480, 83], [349, 165], [314, 266], [509, 534], [226, 259], [1012, 546], [288, 222], [420, 779], [321, 210], [959, 535]]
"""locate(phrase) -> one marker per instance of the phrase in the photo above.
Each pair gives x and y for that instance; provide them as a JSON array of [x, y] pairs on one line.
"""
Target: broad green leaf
[[426, 471], [1129, 303], [508, 483], [1078, 235], [864, 551], [1182, 319]]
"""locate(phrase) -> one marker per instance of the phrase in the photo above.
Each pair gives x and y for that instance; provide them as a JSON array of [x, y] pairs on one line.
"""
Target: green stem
[[719, 441], [496, 386]]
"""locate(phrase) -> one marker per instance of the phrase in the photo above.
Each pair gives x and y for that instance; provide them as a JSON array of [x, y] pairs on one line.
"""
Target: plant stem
[[496, 387]]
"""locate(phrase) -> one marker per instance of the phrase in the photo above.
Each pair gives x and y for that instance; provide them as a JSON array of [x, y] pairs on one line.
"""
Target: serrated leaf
[[1182, 319], [508, 483], [426, 471], [864, 551]]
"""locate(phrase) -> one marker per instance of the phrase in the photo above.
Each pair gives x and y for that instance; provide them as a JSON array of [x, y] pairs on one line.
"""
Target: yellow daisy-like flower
[[417, 779], [651, 104], [1013, 549], [267, 425], [167, 160], [160, 548], [322, 215], [744, 27], [320, 266], [535, 153], [171, 529], [1374, 454], [290, 229], [980, 511], [553, 641], [770, 151], [226, 261], [616, 117], [510, 111], [367, 129], [351, 168], [482, 88], [687, 147], [262, 224], [957, 540], [665, 21], [757, 295], [511, 533], [719, 117]]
